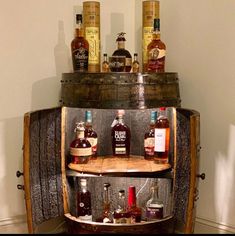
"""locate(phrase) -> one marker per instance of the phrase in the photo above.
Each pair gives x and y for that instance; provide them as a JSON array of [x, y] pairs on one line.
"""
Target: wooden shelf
[[121, 166]]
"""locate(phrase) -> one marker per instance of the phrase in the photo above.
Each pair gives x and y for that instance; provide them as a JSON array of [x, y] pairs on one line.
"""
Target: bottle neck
[[120, 119], [121, 44], [80, 134], [154, 193], [79, 31], [156, 34]]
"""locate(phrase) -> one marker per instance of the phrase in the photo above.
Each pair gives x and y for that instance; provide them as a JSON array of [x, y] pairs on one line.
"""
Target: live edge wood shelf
[[121, 166]]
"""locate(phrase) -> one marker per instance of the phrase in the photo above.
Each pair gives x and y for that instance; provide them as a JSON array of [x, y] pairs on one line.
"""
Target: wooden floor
[[21, 228]]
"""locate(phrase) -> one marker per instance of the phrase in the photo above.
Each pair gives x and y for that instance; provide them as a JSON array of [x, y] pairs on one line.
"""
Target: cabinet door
[[42, 167], [186, 168]]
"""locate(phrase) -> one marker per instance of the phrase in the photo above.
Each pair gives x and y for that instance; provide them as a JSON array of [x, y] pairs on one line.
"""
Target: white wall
[[200, 46]]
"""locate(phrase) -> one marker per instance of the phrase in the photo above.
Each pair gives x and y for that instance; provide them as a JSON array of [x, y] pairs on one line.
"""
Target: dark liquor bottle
[[105, 63], [156, 51], [79, 47], [149, 138], [121, 136], [134, 210], [107, 216], [84, 210], [80, 147], [154, 206], [121, 51], [162, 137], [121, 215], [90, 133], [135, 64]]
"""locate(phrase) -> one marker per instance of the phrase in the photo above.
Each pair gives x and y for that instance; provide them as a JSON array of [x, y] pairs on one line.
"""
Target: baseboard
[[217, 226], [20, 219]]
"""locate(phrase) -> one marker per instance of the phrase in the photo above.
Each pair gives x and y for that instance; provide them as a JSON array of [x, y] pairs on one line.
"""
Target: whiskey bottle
[[149, 138], [90, 133], [105, 63], [154, 206], [79, 47], [107, 214], [121, 135], [134, 210], [84, 210], [135, 64], [80, 147], [121, 215], [121, 51], [161, 137], [156, 51]]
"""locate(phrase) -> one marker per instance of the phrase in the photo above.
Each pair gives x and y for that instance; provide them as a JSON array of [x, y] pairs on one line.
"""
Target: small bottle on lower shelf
[[84, 211], [121, 215], [154, 206]]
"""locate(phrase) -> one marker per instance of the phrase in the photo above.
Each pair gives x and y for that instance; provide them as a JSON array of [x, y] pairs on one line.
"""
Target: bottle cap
[[105, 54], [106, 185], [120, 112], [136, 54], [131, 196], [79, 126], [156, 24], [88, 116], [121, 193], [83, 182], [162, 108], [79, 18], [121, 37], [153, 115]]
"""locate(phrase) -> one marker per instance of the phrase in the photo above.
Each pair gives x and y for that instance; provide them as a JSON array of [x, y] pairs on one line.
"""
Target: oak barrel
[[120, 90]]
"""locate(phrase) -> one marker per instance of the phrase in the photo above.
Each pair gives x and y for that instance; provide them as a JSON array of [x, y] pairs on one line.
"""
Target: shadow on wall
[[11, 132], [46, 92]]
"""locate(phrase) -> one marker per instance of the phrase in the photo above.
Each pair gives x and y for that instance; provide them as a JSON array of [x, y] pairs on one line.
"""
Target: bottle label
[[120, 136], [149, 146], [80, 58], [81, 151], [157, 53], [93, 142], [160, 140], [92, 36], [147, 38], [128, 61], [85, 218], [122, 220], [120, 150], [154, 212]]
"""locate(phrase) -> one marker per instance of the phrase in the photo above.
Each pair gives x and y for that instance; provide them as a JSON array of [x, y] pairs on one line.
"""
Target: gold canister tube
[[150, 10], [91, 16]]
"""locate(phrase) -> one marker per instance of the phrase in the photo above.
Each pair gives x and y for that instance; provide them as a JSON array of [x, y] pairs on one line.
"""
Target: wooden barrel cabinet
[[50, 181]]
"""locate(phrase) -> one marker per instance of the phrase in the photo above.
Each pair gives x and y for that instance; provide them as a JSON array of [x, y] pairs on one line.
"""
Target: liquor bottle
[[149, 138], [80, 147], [79, 47], [90, 133], [84, 210], [161, 137], [121, 136], [105, 63], [121, 51], [91, 12], [107, 216], [134, 210], [121, 215], [135, 64], [150, 10], [156, 51], [154, 206]]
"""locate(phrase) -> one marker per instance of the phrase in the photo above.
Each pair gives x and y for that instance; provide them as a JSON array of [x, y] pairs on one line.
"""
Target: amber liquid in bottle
[[80, 147], [121, 51], [80, 47], [135, 64], [149, 138], [90, 134], [162, 138], [156, 51], [105, 63], [121, 135], [134, 210], [84, 211]]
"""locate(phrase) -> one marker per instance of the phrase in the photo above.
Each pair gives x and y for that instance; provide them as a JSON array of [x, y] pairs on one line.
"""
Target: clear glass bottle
[[105, 63], [121, 51], [156, 51], [149, 138], [162, 137], [90, 133], [121, 136], [135, 64], [154, 206], [80, 147], [134, 210], [121, 215], [84, 208], [107, 214], [79, 47]]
